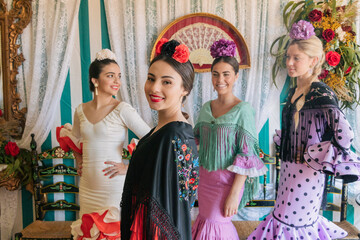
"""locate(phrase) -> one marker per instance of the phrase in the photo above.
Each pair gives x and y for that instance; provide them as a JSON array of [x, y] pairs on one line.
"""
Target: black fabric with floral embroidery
[[162, 179], [319, 107], [187, 164]]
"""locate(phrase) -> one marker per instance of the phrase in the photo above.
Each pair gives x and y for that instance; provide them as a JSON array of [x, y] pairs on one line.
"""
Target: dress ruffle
[[104, 224], [205, 229], [251, 166], [328, 158], [277, 137], [271, 228], [67, 140]]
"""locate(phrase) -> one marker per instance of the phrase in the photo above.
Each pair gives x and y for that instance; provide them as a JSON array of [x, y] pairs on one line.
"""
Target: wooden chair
[[353, 232], [41, 229]]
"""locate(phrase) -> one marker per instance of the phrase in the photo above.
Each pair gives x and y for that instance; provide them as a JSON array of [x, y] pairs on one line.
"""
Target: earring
[[311, 70], [96, 88]]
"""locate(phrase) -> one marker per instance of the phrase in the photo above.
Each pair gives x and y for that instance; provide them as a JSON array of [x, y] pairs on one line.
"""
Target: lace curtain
[[133, 29], [47, 45]]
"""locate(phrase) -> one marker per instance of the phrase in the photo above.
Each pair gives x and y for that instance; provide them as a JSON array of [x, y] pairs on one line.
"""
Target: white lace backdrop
[[47, 44], [133, 29]]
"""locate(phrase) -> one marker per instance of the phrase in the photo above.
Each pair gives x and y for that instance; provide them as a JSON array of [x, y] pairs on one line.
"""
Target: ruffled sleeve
[[69, 136], [333, 154], [247, 160], [132, 120]]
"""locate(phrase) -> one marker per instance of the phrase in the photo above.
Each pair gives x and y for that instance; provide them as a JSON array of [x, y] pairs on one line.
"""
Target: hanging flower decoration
[[333, 24]]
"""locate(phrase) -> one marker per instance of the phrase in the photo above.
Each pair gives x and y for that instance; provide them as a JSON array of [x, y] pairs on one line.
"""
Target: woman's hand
[[115, 169], [232, 200], [79, 162], [231, 205]]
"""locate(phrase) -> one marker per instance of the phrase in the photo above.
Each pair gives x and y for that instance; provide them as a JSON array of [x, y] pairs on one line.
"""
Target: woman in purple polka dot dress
[[315, 139]]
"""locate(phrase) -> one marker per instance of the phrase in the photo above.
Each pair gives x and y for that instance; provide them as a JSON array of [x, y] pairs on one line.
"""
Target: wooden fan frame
[[236, 37]]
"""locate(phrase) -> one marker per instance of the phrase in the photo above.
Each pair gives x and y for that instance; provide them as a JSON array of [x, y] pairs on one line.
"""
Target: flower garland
[[333, 25]]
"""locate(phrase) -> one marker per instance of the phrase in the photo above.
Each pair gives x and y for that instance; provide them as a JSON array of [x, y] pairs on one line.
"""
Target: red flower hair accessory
[[160, 44], [181, 53]]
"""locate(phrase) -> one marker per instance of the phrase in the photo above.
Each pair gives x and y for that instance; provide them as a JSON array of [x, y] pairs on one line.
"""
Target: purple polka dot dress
[[322, 139]]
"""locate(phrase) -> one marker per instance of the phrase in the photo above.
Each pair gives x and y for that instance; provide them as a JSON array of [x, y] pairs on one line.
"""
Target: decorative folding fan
[[199, 31]]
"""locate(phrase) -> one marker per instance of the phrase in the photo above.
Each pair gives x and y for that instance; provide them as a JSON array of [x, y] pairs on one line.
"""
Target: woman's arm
[[232, 200]]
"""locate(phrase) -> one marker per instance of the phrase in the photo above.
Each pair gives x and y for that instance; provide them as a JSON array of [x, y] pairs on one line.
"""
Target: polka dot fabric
[[319, 144], [296, 213], [335, 156]]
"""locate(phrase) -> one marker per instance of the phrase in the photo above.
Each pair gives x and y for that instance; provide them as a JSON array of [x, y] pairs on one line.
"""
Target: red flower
[[346, 28], [327, 13], [332, 58], [348, 70], [12, 149], [315, 15], [1, 113], [181, 53], [195, 187], [187, 157], [192, 180], [159, 45], [323, 74], [328, 35]]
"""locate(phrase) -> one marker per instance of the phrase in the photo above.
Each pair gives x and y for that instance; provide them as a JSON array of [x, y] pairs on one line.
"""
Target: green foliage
[[19, 166]]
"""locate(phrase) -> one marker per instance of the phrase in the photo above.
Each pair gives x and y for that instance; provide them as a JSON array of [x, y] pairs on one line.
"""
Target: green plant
[[18, 162], [334, 26]]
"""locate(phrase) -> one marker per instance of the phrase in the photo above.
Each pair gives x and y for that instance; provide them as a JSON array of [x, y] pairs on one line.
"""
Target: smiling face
[[164, 87], [223, 77], [298, 63], [109, 79]]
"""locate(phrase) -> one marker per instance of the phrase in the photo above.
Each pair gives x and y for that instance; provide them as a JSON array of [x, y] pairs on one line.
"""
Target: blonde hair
[[312, 47]]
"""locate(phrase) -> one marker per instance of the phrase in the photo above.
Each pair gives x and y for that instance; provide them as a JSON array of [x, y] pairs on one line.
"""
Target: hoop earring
[[96, 89]]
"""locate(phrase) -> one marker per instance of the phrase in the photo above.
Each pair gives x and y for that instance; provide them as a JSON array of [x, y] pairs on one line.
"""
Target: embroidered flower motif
[[45, 154], [188, 175], [183, 147]]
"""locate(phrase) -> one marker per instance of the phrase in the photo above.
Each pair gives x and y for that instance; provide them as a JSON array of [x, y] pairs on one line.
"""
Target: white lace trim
[[250, 172]]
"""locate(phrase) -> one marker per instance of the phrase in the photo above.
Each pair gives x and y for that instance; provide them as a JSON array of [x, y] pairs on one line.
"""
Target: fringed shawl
[[222, 139], [318, 119], [161, 184]]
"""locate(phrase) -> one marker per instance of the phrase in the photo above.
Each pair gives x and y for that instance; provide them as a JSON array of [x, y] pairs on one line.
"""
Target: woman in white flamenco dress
[[97, 138]]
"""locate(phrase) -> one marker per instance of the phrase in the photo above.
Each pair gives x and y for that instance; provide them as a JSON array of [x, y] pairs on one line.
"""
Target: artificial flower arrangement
[[333, 24], [16, 162]]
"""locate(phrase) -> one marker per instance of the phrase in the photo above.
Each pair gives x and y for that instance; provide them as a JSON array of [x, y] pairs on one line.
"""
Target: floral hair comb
[[302, 30], [179, 52], [223, 48], [105, 54]]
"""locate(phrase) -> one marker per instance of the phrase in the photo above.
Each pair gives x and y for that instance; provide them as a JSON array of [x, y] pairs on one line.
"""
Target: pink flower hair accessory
[[223, 48], [302, 30]]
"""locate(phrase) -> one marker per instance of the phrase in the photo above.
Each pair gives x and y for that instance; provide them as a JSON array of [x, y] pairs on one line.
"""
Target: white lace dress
[[99, 195]]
